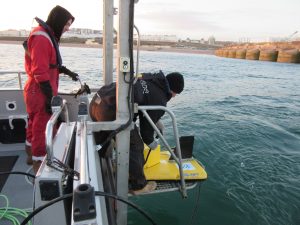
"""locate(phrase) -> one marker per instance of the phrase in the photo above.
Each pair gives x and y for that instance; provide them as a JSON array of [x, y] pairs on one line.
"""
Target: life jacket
[[49, 35]]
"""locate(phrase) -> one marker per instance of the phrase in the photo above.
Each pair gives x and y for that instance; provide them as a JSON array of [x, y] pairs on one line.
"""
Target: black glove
[[74, 76], [68, 72], [47, 91]]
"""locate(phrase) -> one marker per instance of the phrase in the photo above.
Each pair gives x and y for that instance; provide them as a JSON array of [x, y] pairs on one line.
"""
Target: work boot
[[149, 187], [36, 165], [29, 154]]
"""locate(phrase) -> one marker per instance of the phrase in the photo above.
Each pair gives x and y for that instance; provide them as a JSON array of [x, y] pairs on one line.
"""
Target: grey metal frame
[[178, 159], [88, 164], [54, 214], [122, 114], [49, 128], [138, 44], [122, 139], [108, 40]]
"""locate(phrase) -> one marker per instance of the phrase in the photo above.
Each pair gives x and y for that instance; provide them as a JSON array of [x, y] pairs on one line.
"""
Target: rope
[[12, 214]]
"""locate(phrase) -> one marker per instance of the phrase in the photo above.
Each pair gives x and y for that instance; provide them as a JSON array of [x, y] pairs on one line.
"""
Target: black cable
[[97, 193], [147, 156], [18, 173], [127, 82], [196, 206], [37, 210], [130, 37], [129, 121]]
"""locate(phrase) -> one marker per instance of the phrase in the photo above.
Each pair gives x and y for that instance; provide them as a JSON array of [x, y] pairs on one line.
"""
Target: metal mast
[[108, 40], [122, 139]]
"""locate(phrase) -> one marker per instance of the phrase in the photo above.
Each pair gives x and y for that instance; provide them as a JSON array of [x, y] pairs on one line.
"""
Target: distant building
[[193, 41], [24, 33], [244, 40], [276, 39], [169, 38], [211, 40], [75, 32], [10, 33], [83, 33]]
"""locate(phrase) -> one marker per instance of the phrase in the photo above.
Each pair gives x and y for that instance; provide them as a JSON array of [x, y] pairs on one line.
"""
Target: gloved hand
[[153, 145], [68, 72], [47, 91], [74, 76]]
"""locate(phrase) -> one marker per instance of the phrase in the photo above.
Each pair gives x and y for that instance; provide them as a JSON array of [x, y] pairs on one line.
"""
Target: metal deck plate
[[169, 186]]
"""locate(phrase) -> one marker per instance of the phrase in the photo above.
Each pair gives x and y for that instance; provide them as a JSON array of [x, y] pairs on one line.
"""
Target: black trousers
[[137, 178], [136, 161]]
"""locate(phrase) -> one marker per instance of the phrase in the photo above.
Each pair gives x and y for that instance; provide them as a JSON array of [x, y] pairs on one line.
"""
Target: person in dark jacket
[[150, 89], [43, 65], [155, 89]]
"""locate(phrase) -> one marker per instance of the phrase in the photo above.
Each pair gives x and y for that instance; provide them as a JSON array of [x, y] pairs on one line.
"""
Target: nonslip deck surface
[[6, 165]]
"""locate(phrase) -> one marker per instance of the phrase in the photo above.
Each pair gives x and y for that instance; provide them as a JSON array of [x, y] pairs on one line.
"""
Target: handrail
[[175, 130], [137, 51], [19, 76], [57, 110], [84, 173], [82, 124]]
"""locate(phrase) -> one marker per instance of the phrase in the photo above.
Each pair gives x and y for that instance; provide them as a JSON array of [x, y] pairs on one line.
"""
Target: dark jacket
[[151, 89]]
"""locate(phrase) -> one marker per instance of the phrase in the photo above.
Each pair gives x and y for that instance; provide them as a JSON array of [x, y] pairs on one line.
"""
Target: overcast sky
[[223, 19]]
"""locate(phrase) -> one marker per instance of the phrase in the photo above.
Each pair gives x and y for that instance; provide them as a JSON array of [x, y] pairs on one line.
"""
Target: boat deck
[[18, 188]]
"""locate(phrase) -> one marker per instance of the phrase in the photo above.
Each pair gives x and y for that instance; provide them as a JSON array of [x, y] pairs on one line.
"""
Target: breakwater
[[272, 52]]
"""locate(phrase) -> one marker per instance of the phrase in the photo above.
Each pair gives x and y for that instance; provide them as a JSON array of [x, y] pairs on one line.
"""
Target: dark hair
[[176, 82], [57, 19]]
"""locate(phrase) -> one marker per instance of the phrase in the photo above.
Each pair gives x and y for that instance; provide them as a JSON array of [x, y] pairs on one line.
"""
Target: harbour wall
[[285, 52]]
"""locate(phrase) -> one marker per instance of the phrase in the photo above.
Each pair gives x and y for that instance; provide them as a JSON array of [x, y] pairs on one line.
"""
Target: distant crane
[[289, 37]]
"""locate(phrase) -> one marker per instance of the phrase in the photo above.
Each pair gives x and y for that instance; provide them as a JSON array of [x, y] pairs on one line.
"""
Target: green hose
[[12, 214]]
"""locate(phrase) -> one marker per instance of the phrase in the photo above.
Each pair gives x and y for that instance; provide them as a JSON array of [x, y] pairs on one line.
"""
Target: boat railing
[[138, 44], [82, 130], [19, 73], [58, 106], [111, 125], [177, 158]]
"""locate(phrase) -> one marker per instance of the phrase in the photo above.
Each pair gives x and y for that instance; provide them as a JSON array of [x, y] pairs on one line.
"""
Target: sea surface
[[245, 116]]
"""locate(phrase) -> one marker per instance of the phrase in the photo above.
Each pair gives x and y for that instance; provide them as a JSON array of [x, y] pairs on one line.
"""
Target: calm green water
[[245, 116]]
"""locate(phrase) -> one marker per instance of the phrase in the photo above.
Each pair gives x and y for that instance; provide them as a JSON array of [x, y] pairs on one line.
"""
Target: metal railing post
[[178, 159], [57, 110]]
